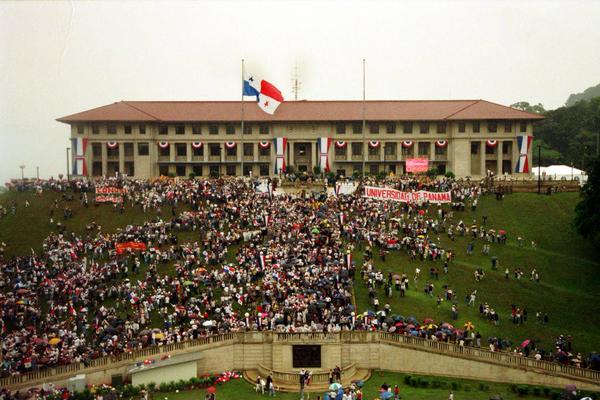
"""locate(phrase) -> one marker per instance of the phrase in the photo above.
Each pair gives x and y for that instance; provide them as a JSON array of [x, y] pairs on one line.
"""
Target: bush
[[523, 390], [407, 379], [483, 387], [537, 391], [432, 172], [449, 174], [547, 392], [436, 384], [424, 383], [164, 387], [467, 388], [456, 385], [151, 386], [382, 175], [191, 175], [555, 395], [317, 170], [513, 388]]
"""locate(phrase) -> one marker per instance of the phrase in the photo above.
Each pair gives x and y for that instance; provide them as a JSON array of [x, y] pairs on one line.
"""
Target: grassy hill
[[568, 265]]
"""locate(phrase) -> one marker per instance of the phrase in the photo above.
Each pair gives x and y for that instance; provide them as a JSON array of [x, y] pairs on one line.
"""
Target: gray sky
[[58, 58]]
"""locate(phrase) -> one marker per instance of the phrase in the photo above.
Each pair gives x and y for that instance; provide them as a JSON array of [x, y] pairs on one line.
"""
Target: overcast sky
[[58, 58]]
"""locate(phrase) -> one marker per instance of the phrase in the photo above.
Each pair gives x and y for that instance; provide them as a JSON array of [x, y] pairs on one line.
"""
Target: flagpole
[[364, 122], [242, 127]]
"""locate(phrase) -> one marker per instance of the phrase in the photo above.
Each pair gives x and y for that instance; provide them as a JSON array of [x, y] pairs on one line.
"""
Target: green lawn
[[568, 268], [437, 389]]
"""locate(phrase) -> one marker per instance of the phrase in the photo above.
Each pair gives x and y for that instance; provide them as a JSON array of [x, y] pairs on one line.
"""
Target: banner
[[417, 165], [110, 190], [407, 197], [108, 199], [121, 247], [345, 188]]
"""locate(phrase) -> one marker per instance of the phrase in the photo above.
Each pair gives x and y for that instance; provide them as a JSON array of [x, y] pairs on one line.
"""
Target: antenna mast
[[296, 83]]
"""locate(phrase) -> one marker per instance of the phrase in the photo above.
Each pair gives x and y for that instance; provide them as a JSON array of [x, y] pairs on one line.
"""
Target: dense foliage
[[587, 217]]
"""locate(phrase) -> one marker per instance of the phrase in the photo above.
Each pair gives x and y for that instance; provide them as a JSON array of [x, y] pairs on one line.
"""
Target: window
[[80, 129], [96, 149], [181, 149], [373, 151], [424, 127], [390, 127], [95, 129], [264, 151], [476, 126], [229, 129], [340, 128], [462, 127], [263, 129], [263, 169], [163, 170], [475, 148], [248, 170], [197, 169], [196, 130], [357, 127], [179, 129], [492, 126], [213, 129], [490, 150], [423, 148], [215, 150], [111, 129], [373, 169], [441, 127], [407, 127], [249, 149], [198, 152], [301, 149], [142, 129], [357, 149], [506, 147], [163, 129], [374, 127], [180, 170], [440, 151], [128, 129], [143, 149], [247, 129], [164, 151], [230, 170], [390, 149], [341, 172], [340, 151], [507, 126], [114, 152], [128, 149], [231, 151], [523, 127], [407, 151]]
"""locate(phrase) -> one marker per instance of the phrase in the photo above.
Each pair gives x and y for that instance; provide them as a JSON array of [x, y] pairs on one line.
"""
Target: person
[[396, 392], [270, 386], [451, 396]]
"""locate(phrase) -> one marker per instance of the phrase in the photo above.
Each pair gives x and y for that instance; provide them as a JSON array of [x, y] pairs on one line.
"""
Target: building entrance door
[[302, 156]]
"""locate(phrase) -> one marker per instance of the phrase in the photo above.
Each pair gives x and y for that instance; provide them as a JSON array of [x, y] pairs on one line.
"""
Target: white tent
[[560, 172]]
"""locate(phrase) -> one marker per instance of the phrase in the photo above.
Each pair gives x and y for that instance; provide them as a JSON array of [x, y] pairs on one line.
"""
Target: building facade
[[149, 139]]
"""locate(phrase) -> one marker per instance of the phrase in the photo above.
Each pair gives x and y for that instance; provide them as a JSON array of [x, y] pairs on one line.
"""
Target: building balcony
[[214, 158], [197, 158], [441, 157], [374, 157], [340, 157], [357, 157], [231, 158], [264, 158], [164, 158], [180, 158], [391, 157], [301, 159], [249, 158]]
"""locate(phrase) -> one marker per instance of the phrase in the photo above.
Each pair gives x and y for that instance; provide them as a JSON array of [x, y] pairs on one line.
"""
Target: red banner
[[108, 199], [377, 193], [121, 247], [417, 165], [110, 190]]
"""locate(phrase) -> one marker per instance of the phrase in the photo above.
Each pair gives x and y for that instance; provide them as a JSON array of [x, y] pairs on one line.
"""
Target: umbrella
[[370, 313], [570, 388], [392, 329], [447, 325], [159, 336], [502, 232], [211, 389], [385, 395], [54, 341], [469, 326], [525, 343], [412, 320], [335, 386], [144, 332], [359, 383], [188, 283], [207, 323], [428, 321], [22, 291]]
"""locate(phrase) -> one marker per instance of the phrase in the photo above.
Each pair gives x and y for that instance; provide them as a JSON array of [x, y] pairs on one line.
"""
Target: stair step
[[360, 375]]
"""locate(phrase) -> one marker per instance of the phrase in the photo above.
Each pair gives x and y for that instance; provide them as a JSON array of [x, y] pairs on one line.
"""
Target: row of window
[[340, 128]]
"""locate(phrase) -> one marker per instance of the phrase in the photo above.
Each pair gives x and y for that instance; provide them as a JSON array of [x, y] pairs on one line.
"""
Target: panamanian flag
[[268, 97]]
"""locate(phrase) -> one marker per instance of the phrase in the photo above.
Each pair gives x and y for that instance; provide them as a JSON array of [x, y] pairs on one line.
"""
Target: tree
[[587, 212], [525, 106], [549, 155]]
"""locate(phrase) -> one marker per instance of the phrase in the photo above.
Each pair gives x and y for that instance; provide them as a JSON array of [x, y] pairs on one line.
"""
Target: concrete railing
[[354, 337], [292, 378]]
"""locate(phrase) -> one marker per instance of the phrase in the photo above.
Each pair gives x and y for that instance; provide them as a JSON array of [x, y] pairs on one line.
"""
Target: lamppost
[[22, 166], [37, 173], [68, 172], [583, 158], [539, 168]]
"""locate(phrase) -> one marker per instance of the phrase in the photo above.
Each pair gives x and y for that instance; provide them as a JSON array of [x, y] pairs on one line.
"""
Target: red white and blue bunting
[[280, 149], [340, 143], [524, 144], [112, 145], [230, 145], [407, 143], [78, 149], [374, 143], [163, 145], [441, 143], [323, 147], [263, 144], [491, 143], [196, 145]]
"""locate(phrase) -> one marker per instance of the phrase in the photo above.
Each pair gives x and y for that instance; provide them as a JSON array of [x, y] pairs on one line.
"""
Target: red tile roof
[[376, 110]]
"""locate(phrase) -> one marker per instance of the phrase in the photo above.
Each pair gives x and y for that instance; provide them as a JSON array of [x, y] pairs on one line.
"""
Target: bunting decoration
[[407, 143], [78, 149], [112, 145], [348, 259], [441, 143], [491, 143], [262, 260], [374, 143], [196, 145], [323, 147], [280, 149], [230, 145], [340, 143], [263, 144], [163, 145], [342, 220], [523, 143]]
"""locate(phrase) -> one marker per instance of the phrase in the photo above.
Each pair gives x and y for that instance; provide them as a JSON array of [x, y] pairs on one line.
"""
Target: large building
[[153, 138]]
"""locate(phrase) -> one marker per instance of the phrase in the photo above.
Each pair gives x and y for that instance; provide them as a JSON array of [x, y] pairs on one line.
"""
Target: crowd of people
[[256, 262]]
